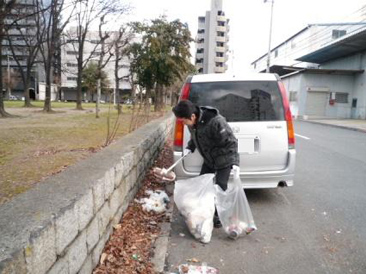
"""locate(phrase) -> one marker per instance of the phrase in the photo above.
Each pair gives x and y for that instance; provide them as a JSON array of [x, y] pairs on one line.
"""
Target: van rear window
[[241, 101]]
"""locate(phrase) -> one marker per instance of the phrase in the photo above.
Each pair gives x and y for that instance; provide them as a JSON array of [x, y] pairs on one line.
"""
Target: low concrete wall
[[62, 225]]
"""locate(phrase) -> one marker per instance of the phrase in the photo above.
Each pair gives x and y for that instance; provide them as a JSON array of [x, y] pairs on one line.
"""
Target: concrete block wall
[[62, 225]]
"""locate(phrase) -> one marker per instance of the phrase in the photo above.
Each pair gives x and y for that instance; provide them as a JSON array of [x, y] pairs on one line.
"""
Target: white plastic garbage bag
[[195, 200], [233, 208]]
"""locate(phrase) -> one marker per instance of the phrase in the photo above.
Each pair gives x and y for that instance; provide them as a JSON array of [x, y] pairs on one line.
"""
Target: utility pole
[[98, 98], [9, 90], [270, 36]]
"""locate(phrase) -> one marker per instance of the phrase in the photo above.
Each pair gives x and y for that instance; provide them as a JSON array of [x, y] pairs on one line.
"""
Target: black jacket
[[214, 139]]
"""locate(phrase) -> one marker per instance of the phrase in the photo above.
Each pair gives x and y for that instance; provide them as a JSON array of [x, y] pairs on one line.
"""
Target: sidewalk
[[352, 124]]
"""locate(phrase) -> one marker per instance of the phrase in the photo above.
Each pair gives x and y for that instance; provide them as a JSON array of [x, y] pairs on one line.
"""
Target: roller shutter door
[[316, 103]]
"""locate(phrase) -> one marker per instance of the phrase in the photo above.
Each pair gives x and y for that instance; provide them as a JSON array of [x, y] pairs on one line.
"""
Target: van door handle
[[256, 144]]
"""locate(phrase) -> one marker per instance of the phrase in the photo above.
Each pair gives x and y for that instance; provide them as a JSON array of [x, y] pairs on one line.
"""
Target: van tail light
[[178, 135], [184, 95], [288, 116], [179, 126]]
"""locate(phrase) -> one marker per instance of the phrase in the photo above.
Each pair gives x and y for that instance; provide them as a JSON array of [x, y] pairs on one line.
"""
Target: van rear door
[[255, 112]]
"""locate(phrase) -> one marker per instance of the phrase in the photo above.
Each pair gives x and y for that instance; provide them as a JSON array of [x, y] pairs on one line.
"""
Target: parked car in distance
[[13, 98], [128, 102], [257, 109]]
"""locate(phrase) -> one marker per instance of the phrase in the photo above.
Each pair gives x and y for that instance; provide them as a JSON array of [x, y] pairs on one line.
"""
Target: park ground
[[35, 145]]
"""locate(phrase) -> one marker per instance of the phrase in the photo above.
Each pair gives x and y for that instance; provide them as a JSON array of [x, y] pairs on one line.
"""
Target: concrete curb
[[161, 243], [333, 125]]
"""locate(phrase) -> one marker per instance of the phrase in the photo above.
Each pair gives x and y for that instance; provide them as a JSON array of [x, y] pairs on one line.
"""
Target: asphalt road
[[316, 226]]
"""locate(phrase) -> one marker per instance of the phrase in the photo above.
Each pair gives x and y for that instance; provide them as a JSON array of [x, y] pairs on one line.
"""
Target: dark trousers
[[222, 178], [222, 175]]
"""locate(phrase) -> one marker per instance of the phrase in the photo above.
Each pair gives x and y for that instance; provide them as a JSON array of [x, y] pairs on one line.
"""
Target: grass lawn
[[35, 145]]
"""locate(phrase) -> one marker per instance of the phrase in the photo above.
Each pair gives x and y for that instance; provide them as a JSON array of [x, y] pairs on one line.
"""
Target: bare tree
[[5, 8], [26, 47], [53, 25], [87, 12], [122, 38]]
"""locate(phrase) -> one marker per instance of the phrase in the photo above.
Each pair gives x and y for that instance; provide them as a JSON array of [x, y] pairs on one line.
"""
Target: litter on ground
[[197, 269], [156, 201]]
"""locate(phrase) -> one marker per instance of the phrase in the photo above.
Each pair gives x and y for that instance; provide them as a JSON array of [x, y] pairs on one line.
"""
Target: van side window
[[241, 101]]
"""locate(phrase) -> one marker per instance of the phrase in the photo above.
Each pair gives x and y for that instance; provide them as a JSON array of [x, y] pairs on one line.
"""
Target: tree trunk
[[79, 91], [79, 88], [158, 98], [27, 102], [116, 79], [47, 102], [147, 96], [3, 113]]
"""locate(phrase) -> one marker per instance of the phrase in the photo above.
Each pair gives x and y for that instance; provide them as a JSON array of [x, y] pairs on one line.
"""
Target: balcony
[[199, 45], [220, 39], [199, 65], [221, 28], [220, 69], [200, 36], [221, 18], [199, 55], [220, 59], [220, 49]]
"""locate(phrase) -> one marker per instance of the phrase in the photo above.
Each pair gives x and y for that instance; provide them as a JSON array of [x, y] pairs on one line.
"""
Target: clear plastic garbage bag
[[195, 200], [233, 208]]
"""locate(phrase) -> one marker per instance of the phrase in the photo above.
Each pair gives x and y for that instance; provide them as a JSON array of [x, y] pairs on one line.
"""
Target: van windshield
[[241, 101]]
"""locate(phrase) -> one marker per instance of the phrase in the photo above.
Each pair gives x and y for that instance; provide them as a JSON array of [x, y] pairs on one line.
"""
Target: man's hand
[[186, 151]]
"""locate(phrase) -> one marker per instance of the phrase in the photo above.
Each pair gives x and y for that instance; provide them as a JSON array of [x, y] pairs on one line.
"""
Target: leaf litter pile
[[130, 246]]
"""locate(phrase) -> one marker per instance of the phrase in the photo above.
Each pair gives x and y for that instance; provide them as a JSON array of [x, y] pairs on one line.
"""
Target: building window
[[200, 50], [72, 65], [338, 33], [220, 34], [341, 98], [72, 52], [293, 96], [201, 31], [72, 78], [354, 102], [221, 24], [219, 54], [219, 44]]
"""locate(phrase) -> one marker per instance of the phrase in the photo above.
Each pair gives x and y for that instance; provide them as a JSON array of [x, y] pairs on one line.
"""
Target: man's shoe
[[217, 222]]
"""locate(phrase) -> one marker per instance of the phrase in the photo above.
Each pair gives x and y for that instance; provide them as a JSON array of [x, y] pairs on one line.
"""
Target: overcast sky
[[250, 20]]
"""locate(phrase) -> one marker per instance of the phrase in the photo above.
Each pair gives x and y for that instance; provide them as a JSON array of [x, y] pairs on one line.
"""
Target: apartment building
[[91, 53], [21, 29], [212, 40]]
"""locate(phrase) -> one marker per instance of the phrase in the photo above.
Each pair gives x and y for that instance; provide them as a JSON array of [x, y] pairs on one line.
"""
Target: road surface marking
[[306, 138]]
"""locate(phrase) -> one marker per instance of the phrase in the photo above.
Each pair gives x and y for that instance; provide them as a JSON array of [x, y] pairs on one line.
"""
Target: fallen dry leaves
[[130, 246]]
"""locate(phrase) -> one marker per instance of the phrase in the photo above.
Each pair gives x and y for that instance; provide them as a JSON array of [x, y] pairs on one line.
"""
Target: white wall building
[[306, 41], [212, 40], [92, 51]]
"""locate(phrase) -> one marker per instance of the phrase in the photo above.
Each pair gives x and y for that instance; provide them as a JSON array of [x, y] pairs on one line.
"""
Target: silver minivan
[[257, 109]]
